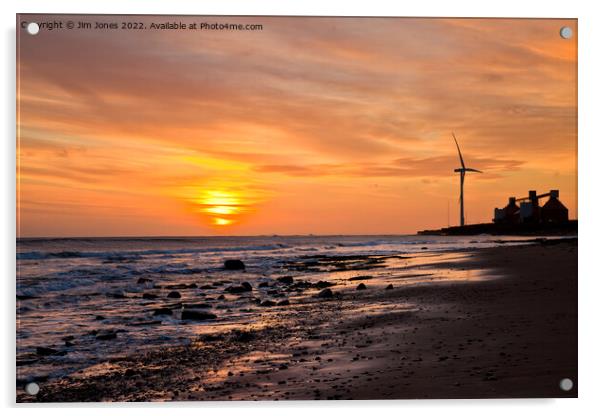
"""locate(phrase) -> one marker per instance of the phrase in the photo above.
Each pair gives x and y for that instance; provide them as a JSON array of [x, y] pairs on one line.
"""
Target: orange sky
[[312, 125]]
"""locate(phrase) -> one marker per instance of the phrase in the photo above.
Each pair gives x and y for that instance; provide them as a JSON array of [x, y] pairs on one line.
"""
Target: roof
[[554, 204]]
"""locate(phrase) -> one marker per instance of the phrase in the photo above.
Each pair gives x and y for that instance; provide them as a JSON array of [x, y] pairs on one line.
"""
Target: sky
[[308, 126]]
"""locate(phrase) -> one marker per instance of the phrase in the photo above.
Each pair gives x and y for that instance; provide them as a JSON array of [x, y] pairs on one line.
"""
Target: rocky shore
[[511, 331]]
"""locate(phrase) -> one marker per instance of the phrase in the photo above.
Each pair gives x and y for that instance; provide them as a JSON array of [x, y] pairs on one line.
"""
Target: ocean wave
[[136, 254]]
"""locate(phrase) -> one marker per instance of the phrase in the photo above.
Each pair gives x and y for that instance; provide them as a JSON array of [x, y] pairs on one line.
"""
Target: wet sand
[[511, 332]]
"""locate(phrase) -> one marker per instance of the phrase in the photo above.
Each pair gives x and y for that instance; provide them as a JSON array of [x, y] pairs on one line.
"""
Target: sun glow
[[221, 210], [222, 221], [223, 207]]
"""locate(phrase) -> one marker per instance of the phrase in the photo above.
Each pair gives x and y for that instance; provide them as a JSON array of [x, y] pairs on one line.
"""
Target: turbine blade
[[472, 170], [458, 147]]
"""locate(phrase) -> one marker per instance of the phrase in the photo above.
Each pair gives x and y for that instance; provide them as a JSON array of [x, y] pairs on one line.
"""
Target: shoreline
[[510, 334], [568, 228]]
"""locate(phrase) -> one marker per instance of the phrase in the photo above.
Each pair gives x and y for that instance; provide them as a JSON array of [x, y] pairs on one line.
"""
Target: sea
[[82, 301]]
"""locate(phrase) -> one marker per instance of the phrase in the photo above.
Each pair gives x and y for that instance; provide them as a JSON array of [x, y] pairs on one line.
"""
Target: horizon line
[[215, 236]]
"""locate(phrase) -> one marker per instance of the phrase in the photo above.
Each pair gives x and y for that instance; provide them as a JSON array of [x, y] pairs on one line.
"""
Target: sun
[[223, 207]]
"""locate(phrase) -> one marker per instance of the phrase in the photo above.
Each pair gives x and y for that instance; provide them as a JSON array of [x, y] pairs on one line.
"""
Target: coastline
[[511, 332], [568, 228]]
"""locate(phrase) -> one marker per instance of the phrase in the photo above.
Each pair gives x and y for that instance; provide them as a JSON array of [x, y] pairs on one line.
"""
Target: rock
[[100, 318], [143, 280], [360, 278], [263, 284], [116, 295], [322, 284], [423, 248], [174, 294], [235, 289], [146, 323], [149, 296], [389, 287], [244, 287], [25, 297], [46, 351], [69, 344], [105, 336], [287, 280], [234, 265], [182, 286], [267, 303], [162, 311], [361, 286], [129, 372], [300, 285], [283, 302], [205, 287], [221, 297], [197, 315], [325, 293]]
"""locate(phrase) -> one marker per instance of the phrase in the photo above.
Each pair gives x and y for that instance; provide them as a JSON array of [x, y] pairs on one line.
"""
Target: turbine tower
[[462, 172]]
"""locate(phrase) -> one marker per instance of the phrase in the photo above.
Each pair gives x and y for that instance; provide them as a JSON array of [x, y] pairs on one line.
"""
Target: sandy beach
[[509, 330]]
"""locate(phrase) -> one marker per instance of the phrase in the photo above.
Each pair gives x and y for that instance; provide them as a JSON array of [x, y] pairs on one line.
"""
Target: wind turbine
[[462, 172]]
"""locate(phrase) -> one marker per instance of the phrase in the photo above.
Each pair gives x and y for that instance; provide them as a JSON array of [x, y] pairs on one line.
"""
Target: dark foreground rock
[[197, 315], [162, 311], [287, 280], [149, 296], [46, 351], [106, 336], [244, 287], [360, 278], [234, 265], [325, 294], [267, 303], [182, 286]]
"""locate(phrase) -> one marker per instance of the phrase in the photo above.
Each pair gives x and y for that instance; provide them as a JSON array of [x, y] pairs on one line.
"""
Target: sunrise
[[298, 208], [332, 119]]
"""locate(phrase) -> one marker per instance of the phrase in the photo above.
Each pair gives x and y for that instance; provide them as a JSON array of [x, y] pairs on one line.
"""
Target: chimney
[[554, 194], [533, 198]]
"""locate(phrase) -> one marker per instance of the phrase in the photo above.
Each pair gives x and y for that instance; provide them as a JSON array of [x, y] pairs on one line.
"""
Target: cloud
[[439, 166]]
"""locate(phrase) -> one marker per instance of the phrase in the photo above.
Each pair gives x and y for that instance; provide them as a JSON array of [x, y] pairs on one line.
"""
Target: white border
[[590, 136]]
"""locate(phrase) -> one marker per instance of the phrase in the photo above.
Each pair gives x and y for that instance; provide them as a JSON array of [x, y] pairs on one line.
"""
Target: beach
[[491, 321]]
